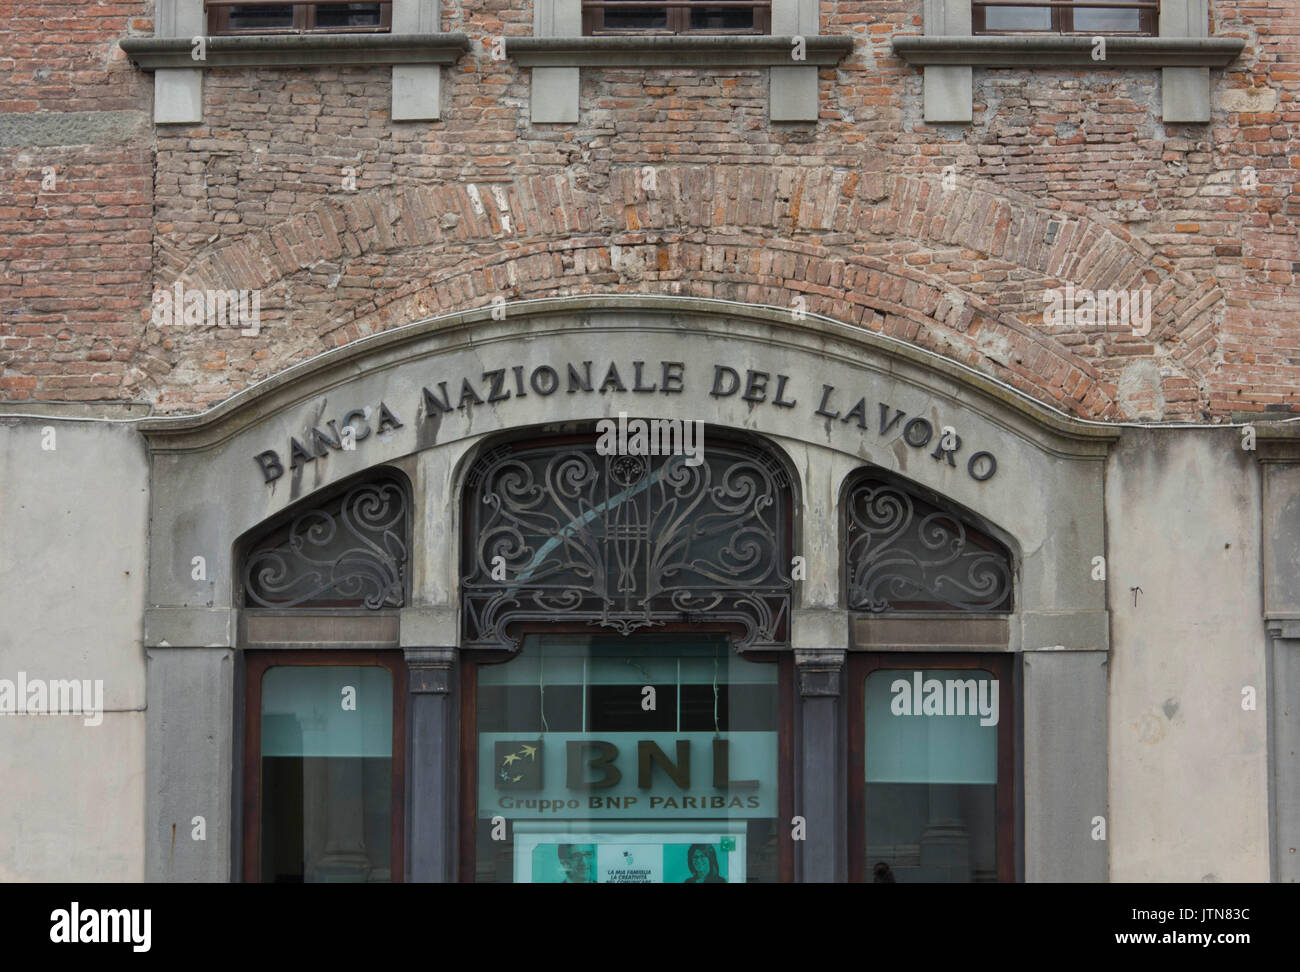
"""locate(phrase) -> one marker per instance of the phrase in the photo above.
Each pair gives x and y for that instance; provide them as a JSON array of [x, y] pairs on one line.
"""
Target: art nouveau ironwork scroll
[[561, 533], [904, 553], [350, 551]]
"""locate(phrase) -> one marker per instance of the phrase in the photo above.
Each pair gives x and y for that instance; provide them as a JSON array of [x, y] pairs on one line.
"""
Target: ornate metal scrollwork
[[906, 554], [348, 552], [626, 542]]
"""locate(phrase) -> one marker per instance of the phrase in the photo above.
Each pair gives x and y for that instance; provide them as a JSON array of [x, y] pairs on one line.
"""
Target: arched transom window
[[907, 553], [348, 550], [560, 533]]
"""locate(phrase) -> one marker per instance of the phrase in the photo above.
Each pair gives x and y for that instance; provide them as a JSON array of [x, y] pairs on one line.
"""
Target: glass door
[[652, 760]]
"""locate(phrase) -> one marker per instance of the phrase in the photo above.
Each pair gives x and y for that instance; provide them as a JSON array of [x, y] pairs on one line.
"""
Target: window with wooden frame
[[662, 759], [676, 17], [226, 17], [324, 766], [1139, 18], [931, 768]]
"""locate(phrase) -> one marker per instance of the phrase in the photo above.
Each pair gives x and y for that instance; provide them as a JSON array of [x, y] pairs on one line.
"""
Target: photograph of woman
[[703, 862]]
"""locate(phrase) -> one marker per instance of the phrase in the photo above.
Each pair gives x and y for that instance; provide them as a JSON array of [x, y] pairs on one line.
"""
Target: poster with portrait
[[698, 857]]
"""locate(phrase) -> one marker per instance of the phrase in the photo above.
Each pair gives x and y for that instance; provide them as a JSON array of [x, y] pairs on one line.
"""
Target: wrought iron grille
[[904, 553], [350, 551], [561, 533]]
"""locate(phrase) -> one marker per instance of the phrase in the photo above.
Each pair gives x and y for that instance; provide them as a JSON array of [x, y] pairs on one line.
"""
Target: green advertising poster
[[667, 857]]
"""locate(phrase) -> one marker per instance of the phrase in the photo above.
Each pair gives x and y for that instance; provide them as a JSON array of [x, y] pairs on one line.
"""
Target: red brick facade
[[1065, 176]]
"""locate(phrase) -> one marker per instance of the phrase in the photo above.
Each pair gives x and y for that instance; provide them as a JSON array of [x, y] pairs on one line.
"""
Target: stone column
[[189, 725], [1279, 697], [1284, 728], [434, 730], [819, 660]]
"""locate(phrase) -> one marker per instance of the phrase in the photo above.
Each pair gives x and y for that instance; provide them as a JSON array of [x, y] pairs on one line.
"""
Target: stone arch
[[876, 250]]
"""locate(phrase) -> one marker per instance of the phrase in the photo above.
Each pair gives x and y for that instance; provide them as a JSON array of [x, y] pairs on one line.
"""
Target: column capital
[[819, 671], [429, 669], [1284, 629]]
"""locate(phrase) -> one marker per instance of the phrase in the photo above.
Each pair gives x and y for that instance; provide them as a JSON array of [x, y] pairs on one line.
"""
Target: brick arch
[[753, 234]]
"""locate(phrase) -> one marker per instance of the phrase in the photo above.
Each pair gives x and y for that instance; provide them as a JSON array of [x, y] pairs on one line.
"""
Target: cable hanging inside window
[[716, 732], [541, 690]]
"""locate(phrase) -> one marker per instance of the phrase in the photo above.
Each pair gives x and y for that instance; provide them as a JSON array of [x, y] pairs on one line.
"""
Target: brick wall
[[945, 236], [76, 190]]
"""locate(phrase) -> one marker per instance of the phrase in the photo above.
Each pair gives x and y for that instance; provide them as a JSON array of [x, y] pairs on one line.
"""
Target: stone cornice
[[296, 50], [1054, 51]]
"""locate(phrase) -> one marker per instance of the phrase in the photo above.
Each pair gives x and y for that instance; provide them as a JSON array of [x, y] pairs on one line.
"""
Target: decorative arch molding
[[478, 327], [833, 397], [774, 233]]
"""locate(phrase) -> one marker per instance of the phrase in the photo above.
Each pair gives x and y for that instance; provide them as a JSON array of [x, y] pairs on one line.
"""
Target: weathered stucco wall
[[73, 526], [1188, 766]]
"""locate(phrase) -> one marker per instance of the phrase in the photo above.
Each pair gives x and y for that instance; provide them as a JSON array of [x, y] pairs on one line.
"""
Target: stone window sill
[[1021, 51], [675, 51], [296, 50]]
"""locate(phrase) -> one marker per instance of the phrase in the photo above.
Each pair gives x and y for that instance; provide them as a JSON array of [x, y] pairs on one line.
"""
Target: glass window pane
[[327, 764], [931, 775], [636, 18], [1017, 18], [675, 786], [347, 15], [1092, 19], [261, 16], [722, 18]]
